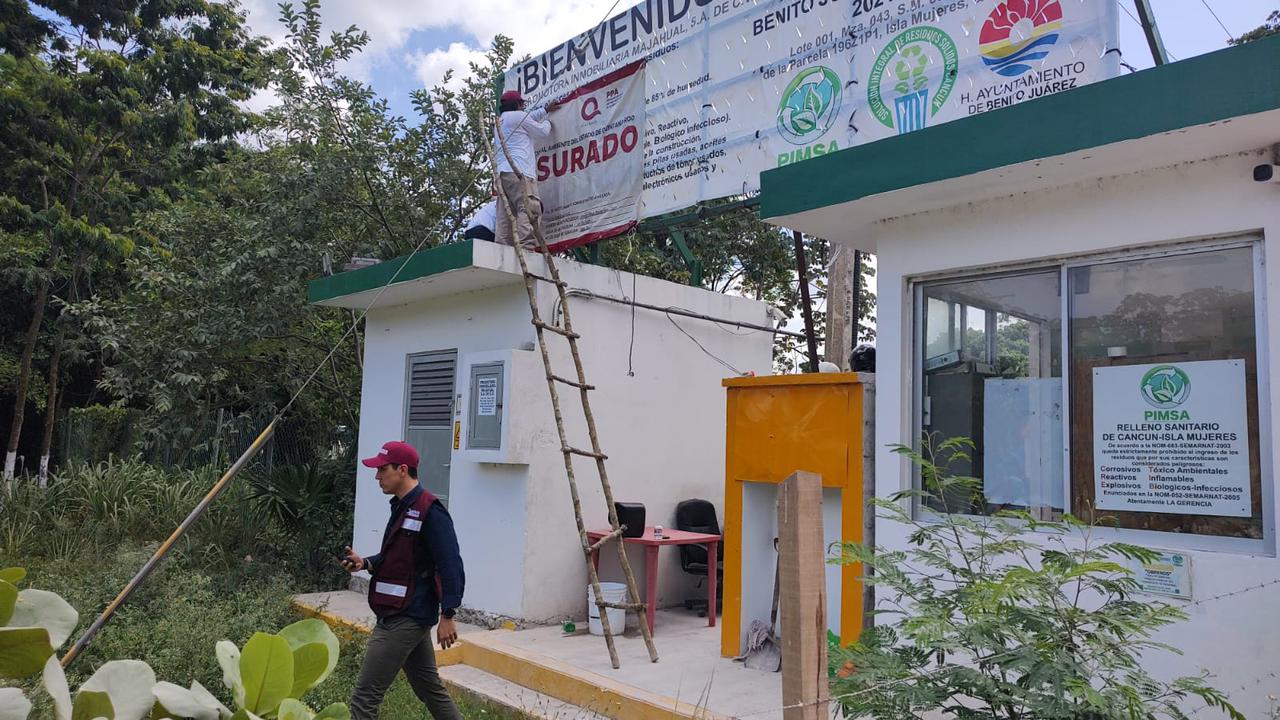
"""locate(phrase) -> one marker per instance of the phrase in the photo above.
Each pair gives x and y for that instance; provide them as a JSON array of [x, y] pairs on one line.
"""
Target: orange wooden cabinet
[[776, 426]]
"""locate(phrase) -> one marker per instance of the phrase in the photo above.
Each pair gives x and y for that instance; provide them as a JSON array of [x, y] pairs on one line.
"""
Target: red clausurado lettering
[[580, 157]]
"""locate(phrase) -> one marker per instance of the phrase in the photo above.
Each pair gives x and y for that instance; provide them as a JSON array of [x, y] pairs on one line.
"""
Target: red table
[[651, 545]]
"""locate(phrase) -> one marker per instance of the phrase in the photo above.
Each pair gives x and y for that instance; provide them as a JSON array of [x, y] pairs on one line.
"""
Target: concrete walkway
[[546, 673]]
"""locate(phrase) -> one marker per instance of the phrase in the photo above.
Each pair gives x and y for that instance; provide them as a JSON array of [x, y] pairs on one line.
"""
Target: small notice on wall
[[1172, 439], [1167, 574], [487, 396]]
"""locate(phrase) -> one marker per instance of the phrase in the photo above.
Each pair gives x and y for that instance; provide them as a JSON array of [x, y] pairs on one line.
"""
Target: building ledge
[[426, 274]]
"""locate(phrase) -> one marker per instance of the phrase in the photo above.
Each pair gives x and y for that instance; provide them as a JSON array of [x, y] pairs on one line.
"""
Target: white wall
[[660, 411], [487, 502], [662, 428], [1237, 638], [759, 559]]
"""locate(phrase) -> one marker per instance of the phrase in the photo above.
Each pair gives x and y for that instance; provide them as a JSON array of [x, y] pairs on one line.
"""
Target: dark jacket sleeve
[[371, 561], [443, 544]]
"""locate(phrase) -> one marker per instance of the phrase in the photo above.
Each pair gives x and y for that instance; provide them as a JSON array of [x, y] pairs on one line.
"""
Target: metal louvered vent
[[431, 379]]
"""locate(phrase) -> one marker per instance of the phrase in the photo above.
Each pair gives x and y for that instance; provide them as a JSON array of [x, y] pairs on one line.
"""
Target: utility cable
[[701, 347], [1138, 22], [1221, 24]]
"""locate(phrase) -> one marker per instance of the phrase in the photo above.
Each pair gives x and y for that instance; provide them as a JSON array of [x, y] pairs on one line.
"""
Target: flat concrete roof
[[427, 274], [1218, 104]]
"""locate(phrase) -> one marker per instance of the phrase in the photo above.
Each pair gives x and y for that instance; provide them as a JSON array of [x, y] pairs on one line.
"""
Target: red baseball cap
[[394, 453], [511, 95]]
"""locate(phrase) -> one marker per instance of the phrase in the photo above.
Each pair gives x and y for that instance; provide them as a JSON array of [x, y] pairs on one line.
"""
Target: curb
[[588, 690]]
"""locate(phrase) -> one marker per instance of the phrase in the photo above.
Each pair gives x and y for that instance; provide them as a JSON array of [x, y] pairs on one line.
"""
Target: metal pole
[[803, 270], [165, 547], [1148, 19]]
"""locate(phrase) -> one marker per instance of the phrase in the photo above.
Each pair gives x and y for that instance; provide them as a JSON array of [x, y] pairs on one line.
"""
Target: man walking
[[519, 129], [417, 579]]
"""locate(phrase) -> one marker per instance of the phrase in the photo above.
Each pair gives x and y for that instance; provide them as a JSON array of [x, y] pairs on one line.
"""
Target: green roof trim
[[1225, 84], [420, 264]]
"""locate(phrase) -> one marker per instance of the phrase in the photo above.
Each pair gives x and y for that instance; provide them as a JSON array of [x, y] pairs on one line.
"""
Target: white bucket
[[613, 593]]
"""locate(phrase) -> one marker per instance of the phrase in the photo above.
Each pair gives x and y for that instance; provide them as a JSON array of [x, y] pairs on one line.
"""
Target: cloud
[[430, 67], [534, 25]]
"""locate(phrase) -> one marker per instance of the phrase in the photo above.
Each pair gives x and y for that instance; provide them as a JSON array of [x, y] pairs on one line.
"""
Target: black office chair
[[699, 516]]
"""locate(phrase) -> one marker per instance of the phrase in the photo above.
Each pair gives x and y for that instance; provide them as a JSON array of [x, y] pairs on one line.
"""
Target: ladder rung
[[556, 330], [548, 280], [584, 453], [597, 544], [574, 383], [624, 606]]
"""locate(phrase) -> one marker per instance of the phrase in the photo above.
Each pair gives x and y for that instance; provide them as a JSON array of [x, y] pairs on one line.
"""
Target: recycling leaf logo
[[1165, 387], [810, 105]]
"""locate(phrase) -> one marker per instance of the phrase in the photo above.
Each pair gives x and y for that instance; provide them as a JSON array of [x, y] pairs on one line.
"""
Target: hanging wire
[[1138, 22], [707, 352], [1221, 24]]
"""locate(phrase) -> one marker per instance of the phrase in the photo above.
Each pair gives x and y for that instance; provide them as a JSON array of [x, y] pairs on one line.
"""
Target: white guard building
[[451, 366], [1085, 284]]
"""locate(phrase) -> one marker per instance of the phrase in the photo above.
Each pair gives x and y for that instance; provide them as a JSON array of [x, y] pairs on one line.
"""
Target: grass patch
[[87, 535]]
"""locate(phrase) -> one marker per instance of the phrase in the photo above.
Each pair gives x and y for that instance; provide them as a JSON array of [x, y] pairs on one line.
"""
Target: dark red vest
[[392, 585]]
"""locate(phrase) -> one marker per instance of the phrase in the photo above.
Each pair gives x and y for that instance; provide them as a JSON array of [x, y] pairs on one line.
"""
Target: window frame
[[1255, 241]]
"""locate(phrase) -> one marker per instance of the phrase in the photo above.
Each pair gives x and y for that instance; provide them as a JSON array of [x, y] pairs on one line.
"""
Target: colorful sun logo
[[1018, 32]]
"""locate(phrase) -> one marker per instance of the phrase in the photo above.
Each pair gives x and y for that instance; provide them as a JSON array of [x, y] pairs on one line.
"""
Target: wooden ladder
[[567, 449]]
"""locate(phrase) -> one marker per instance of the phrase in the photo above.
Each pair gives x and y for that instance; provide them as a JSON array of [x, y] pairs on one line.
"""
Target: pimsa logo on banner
[[808, 109]]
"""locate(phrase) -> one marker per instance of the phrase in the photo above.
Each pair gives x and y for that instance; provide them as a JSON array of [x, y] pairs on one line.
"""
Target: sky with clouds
[[414, 42]]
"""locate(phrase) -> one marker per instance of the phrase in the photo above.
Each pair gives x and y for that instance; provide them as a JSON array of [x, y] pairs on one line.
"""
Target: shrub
[[1005, 617], [269, 676]]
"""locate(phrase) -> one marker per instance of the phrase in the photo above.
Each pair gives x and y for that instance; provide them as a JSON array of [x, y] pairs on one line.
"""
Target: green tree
[[215, 316], [1270, 27], [109, 109]]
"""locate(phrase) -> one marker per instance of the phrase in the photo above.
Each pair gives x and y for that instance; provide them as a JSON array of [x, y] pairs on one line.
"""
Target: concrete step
[[502, 692], [493, 653]]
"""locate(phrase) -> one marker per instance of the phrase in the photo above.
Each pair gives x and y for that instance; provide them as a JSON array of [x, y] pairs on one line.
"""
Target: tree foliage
[[110, 110], [1270, 27], [215, 314]]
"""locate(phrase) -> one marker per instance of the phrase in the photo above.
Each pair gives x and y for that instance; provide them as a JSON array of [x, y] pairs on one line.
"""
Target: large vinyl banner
[[736, 87], [590, 168]]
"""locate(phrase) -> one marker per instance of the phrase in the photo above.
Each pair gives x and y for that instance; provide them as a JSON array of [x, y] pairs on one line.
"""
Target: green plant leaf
[[8, 598], [182, 702], [266, 668], [229, 659], [129, 684], [90, 705], [13, 575], [243, 714], [14, 705], [336, 711], [23, 651], [315, 653], [43, 609], [203, 695], [310, 668], [293, 709], [55, 683]]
